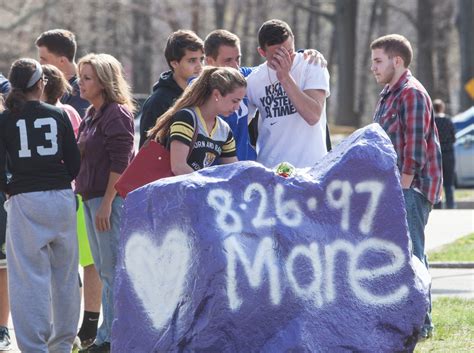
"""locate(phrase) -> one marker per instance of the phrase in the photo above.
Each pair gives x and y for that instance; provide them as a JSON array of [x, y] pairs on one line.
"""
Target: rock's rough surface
[[238, 259]]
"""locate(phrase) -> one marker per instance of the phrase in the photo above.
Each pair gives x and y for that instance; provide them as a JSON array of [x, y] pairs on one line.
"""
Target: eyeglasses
[[45, 80]]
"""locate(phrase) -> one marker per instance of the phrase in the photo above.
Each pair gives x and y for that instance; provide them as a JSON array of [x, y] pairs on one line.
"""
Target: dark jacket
[[165, 92], [74, 98]]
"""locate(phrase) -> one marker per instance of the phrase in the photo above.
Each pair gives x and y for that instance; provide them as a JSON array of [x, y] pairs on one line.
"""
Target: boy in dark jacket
[[184, 53]]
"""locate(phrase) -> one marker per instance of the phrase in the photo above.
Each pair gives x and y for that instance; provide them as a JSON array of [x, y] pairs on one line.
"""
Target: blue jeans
[[104, 248], [418, 209]]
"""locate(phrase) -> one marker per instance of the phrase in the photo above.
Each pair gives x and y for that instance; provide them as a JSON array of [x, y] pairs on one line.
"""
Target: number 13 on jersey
[[51, 136]]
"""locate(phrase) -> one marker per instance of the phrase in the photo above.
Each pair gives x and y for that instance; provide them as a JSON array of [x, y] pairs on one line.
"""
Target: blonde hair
[[224, 79], [110, 73]]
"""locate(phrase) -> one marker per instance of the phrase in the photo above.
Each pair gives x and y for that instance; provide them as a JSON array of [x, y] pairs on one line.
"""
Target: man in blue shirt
[[222, 48]]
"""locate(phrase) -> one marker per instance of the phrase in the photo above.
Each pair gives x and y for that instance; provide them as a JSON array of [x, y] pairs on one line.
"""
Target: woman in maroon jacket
[[106, 144]]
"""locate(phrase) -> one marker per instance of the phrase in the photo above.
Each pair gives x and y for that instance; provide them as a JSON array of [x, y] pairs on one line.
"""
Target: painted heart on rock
[[158, 274]]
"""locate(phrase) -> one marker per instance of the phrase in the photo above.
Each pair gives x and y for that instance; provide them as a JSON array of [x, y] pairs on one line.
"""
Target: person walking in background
[[106, 144], [4, 301], [447, 137], [216, 91], [38, 141], [58, 47], [184, 53], [405, 112]]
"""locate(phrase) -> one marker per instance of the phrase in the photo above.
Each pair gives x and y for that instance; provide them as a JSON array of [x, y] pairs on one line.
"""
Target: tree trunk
[[466, 41], [142, 53], [346, 12], [113, 44], [260, 15], [195, 11], [294, 26], [219, 10], [312, 34], [245, 39], [364, 71], [382, 17], [443, 29], [424, 54]]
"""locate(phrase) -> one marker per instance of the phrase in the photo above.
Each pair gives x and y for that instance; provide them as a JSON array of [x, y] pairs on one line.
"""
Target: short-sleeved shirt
[[283, 134], [209, 146]]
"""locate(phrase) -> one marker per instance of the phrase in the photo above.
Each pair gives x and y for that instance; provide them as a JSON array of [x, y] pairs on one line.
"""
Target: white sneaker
[[76, 346]]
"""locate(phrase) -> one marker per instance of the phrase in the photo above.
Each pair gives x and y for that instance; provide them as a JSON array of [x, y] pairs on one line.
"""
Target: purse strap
[[195, 133]]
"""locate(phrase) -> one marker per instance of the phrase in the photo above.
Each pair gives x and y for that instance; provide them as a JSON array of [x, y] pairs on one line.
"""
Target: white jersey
[[283, 134]]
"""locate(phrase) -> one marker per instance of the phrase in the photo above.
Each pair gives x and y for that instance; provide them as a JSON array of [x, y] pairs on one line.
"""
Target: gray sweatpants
[[42, 270]]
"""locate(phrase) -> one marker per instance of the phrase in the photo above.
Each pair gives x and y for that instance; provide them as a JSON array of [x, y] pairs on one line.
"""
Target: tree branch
[[406, 13], [316, 11], [21, 20]]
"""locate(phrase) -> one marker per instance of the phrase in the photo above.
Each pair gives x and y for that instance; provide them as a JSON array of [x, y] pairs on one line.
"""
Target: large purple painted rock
[[237, 259]]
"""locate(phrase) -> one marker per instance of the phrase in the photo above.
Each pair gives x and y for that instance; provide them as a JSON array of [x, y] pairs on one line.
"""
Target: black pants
[[448, 179]]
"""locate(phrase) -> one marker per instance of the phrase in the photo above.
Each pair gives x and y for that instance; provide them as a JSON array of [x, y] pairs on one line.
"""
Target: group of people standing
[[201, 114]]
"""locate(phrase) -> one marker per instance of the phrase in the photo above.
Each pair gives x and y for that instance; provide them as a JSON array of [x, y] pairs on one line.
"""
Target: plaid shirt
[[405, 112]]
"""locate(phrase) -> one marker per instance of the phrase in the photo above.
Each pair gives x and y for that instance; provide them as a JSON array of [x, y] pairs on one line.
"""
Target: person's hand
[[315, 57], [282, 61], [102, 217]]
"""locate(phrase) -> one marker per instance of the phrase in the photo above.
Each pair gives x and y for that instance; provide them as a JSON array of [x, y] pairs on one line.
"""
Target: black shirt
[[40, 148], [446, 132]]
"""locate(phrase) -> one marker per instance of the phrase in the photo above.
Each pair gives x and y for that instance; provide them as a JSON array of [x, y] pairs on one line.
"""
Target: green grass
[[460, 250], [454, 327], [464, 194]]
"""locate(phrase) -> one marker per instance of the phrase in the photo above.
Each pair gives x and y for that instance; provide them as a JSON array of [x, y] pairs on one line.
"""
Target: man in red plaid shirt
[[405, 112]]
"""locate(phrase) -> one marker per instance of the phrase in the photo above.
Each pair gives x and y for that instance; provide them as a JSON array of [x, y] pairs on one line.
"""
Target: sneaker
[[425, 334], [87, 342], [4, 339], [101, 348], [76, 346]]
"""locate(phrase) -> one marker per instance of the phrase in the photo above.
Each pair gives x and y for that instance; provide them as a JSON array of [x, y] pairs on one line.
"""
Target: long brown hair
[[224, 79]]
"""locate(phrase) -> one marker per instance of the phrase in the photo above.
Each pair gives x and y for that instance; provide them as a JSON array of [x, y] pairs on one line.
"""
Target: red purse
[[151, 163]]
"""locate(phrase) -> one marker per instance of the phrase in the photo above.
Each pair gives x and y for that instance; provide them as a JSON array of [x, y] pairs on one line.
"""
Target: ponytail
[[16, 100], [224, 79]]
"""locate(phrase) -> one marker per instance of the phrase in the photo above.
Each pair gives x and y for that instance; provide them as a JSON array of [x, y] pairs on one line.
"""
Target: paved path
[[444, 227]]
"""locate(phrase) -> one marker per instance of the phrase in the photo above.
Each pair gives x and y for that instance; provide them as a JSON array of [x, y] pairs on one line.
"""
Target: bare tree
[[143, 51], [424, 54], [220, 7], [443, 13], [195, 18], [466, 39], [346, 14]]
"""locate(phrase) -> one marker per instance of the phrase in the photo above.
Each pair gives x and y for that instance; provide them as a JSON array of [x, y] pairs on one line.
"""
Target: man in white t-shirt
[[290, 95]]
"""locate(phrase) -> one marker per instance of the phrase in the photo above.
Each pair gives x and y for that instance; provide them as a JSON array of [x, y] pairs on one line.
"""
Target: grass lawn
[[454, 327], [461, 250], [464, 194]]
